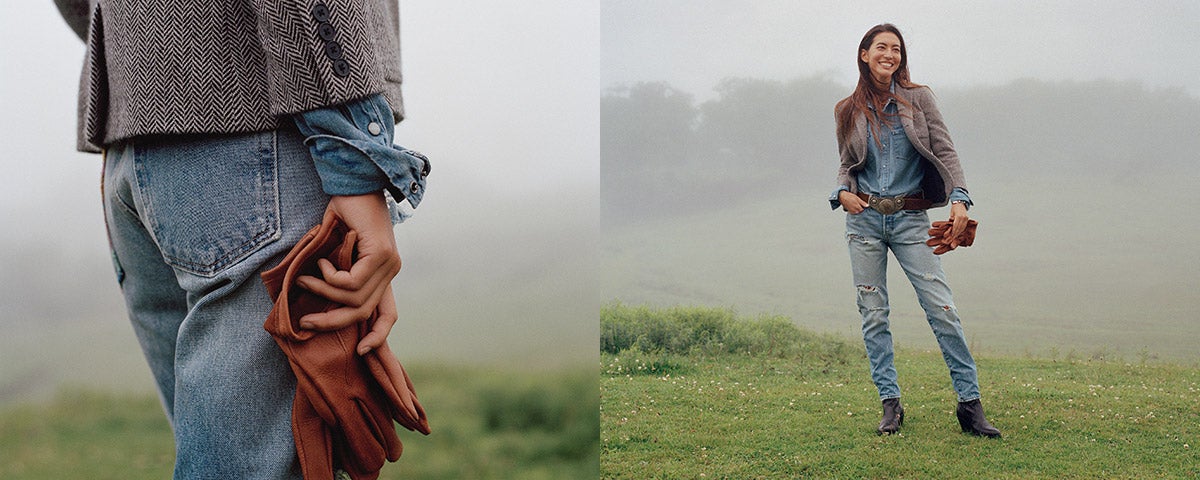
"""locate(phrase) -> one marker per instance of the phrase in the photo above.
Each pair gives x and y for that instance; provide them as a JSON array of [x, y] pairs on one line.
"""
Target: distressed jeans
[[870, 235], [192, 221]]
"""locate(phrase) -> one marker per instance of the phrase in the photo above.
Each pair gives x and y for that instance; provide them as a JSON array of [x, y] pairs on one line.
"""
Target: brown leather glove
[[940, 236], [345, 403]]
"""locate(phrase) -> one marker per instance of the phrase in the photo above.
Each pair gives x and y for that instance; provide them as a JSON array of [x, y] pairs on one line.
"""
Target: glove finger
[[313, 440], [969, 235], [382, 419], [397, 386], [362, 444]]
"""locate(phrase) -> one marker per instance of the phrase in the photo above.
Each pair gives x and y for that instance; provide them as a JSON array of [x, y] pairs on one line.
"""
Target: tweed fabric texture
[[221, 66]]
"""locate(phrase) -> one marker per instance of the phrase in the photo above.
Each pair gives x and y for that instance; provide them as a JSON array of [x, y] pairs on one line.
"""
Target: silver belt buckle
[[886, 205]]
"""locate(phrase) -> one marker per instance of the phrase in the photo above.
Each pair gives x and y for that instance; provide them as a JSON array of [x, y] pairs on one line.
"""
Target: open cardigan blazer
[[924, 127], [220, 66]]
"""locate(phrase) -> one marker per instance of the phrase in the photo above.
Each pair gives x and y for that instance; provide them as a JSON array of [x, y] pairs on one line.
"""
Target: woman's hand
[[365, 288], [851, 203], [958, 215]]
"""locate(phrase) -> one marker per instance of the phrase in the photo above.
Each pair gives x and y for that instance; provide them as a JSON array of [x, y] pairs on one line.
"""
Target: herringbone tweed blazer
[[218, 66]]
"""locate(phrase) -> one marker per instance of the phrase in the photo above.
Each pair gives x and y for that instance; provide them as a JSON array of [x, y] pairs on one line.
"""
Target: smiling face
[[883, 57]]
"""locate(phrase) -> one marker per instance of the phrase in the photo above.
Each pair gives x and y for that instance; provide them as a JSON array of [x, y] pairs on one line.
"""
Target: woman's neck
[[883, 86]]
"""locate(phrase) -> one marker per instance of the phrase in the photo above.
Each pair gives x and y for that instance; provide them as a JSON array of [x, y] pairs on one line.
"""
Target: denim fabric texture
[[352, 145], [870, 235], [192, 222], [893, 165]]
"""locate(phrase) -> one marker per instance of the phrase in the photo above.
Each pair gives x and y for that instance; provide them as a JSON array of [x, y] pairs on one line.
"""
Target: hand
[[366, 287], [851, 203], [958, 215]]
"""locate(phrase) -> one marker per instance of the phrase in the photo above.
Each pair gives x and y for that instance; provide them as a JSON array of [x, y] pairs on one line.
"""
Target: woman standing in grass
[[897, 160]]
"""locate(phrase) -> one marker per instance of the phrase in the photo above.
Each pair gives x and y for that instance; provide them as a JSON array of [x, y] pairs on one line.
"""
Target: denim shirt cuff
[[834, 203], [960, 195], [351, 145]]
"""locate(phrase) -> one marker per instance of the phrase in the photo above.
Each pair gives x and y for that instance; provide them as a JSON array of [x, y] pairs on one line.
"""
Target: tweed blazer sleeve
[[223, 66], [852, 152], [928, 133]]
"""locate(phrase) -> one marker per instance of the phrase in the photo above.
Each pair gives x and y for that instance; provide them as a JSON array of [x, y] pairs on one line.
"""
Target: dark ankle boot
[[893, 416], [970, 417]]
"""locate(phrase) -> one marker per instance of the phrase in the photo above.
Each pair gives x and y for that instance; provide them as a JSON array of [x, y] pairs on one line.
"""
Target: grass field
[[486, 424], [810, 411]]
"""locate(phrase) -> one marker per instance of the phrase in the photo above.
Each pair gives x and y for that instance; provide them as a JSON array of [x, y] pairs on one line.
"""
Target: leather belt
[[890, 205]]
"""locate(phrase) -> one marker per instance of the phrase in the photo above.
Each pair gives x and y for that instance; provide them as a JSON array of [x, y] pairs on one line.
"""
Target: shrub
[[707, 331], [564, 407]]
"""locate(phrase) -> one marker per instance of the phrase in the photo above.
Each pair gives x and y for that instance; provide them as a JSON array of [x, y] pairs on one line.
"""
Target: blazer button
[[320, 13], [341, 68], [333, 50], [327, 32], [374, 128]]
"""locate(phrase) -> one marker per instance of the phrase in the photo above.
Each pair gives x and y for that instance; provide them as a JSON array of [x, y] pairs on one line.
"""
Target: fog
[[692, 45], [1075, 124], [498, 262]]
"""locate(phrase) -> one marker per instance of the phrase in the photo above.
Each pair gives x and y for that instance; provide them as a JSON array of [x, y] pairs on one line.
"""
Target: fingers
[[956, 231], [342, 317], [354, 287], [383, 324], [855, 206]]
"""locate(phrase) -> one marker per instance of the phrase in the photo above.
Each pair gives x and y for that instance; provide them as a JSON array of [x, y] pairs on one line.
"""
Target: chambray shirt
[[351, 144], [893, 166]]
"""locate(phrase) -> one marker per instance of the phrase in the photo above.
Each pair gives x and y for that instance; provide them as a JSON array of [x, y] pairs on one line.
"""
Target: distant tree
[[646, 134], [662, 154], [777, 134]]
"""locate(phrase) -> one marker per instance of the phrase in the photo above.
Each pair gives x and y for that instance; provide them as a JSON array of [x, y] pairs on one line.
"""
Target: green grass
[[486, 424], [738, 415]]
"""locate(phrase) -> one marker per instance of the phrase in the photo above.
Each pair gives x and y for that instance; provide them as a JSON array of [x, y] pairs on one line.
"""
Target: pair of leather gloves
[[942, 241], [345, 404]]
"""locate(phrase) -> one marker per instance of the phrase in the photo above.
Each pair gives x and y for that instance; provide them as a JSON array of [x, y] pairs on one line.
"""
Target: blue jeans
[[192, 221], [870, 235]]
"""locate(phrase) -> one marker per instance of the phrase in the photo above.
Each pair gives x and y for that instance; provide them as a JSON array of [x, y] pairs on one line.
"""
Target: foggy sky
[[692, 45]]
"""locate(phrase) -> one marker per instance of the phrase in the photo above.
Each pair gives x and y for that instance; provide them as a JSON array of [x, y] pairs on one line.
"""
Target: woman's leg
[[197, 219], [924, 270], [868, 261]]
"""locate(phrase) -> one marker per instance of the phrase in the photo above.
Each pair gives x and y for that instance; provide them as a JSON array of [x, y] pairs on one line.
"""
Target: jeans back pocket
[[210, 201]]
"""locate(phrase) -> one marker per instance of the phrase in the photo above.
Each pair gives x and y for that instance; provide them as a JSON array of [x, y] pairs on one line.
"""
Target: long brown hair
[[866, 93]]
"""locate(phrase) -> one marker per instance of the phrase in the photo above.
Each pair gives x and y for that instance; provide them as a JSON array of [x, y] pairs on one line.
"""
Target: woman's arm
[[844, 196], [943, 147]]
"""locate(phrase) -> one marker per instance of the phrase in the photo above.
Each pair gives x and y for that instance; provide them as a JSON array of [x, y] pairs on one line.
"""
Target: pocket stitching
[[268, 174]]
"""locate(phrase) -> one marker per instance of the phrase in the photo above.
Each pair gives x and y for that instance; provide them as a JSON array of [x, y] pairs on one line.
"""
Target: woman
[[897, 160]]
